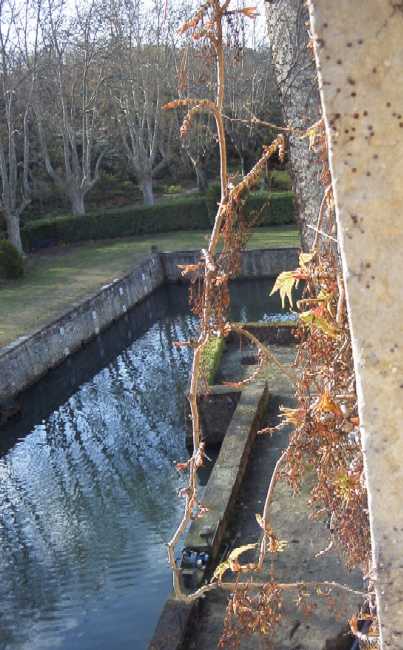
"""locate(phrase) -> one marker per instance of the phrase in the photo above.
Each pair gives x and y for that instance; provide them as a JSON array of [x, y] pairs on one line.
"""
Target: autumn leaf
[[327, 405], [249, 12], [345, 486], [325, 297], [275, 545], [311, 318], [231, 563], [220, 570], [285, 284], [260, 521], [305, 258], [188, 268], [234, 555], [181, 467], [293, 416]]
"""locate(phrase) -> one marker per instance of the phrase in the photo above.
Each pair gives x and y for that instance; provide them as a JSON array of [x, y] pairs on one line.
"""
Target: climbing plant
[[326, 434]]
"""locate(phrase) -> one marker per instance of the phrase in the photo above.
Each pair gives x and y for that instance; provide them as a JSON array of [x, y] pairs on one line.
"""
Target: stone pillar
[[359, 55]]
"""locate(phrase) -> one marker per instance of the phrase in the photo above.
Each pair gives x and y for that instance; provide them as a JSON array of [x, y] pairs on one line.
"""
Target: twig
[[284, 586], [324, 234], [265, 515], [255, 120], [320, 218]]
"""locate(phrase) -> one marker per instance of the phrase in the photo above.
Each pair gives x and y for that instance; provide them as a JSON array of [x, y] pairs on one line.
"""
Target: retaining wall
[[30, 357], [259, 263]]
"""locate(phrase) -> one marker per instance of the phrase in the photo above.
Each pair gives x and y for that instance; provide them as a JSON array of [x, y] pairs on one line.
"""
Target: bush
[[11, 262], [280, 181], [213, 195], [182, 213], [270, 208], [173, 189]]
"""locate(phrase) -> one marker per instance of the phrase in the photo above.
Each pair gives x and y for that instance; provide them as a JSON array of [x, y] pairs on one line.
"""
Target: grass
[[57, 278]]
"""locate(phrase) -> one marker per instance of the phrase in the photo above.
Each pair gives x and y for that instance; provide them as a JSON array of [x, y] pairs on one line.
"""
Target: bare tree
[[194, 79], [296, 78], [141, 67], [67, 99], [16, 88], [251, 93]]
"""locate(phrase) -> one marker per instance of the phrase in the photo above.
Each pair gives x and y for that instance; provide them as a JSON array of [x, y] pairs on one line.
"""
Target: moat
[[88, 491]]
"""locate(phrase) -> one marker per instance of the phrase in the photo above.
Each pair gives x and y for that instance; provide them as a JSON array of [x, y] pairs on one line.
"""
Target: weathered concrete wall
[[226, 476], [28, 358], [216, 409], [259, 263], [174, 625], [359, 52]]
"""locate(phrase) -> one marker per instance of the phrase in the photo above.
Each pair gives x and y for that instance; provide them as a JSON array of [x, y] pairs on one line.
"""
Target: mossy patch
[[211, 358]]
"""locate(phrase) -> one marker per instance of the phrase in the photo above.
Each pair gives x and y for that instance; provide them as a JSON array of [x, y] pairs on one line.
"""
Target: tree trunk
[[296, 78], [146, 185], [14, 232], [242, 161], [201, 177], [77, 203]]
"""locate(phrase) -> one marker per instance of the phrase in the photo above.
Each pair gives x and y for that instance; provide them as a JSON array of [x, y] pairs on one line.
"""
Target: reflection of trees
[[101, 476], [93, 488], [58, 385]]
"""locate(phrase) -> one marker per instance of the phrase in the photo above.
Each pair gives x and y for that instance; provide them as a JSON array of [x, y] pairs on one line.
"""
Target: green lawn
[[57, 278]]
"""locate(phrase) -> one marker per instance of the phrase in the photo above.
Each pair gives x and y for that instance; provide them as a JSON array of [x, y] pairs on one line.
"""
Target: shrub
[[173, 189], [213, 195], [170, 215], [182, 213], [270, 208], [280, 181], [11, 262]]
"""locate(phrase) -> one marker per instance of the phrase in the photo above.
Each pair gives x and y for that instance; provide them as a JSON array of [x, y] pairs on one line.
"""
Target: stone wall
[[259, 263], [30, 357]]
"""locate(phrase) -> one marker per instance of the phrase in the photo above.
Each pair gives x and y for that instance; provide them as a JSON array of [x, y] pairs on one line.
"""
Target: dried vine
[[210, 277], [326, 434]]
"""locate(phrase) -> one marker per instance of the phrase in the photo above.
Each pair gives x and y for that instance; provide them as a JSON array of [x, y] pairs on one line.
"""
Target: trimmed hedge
[[274, 209], [267, 208], [185, 213], [280, 181]]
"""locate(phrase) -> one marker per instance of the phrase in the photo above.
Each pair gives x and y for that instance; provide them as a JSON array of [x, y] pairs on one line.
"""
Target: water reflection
[[88, 488]]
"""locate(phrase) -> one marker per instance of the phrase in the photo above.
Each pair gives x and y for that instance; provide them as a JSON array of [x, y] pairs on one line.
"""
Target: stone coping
[[206, 534]]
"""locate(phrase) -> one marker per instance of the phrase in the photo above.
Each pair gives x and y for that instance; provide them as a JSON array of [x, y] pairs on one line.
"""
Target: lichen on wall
[[359, 52]]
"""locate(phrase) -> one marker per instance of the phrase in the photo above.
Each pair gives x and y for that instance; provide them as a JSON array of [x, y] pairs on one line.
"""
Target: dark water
[[88, 484]]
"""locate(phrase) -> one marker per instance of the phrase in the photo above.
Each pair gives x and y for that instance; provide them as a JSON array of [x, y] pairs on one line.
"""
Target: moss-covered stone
[[211, 357]]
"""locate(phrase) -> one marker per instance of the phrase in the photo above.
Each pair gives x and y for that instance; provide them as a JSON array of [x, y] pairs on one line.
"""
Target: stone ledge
[[173, 625], [221, 492], [223, 485]]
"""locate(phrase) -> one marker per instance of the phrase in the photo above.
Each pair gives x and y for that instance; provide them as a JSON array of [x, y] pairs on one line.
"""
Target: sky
[[259, 23]]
